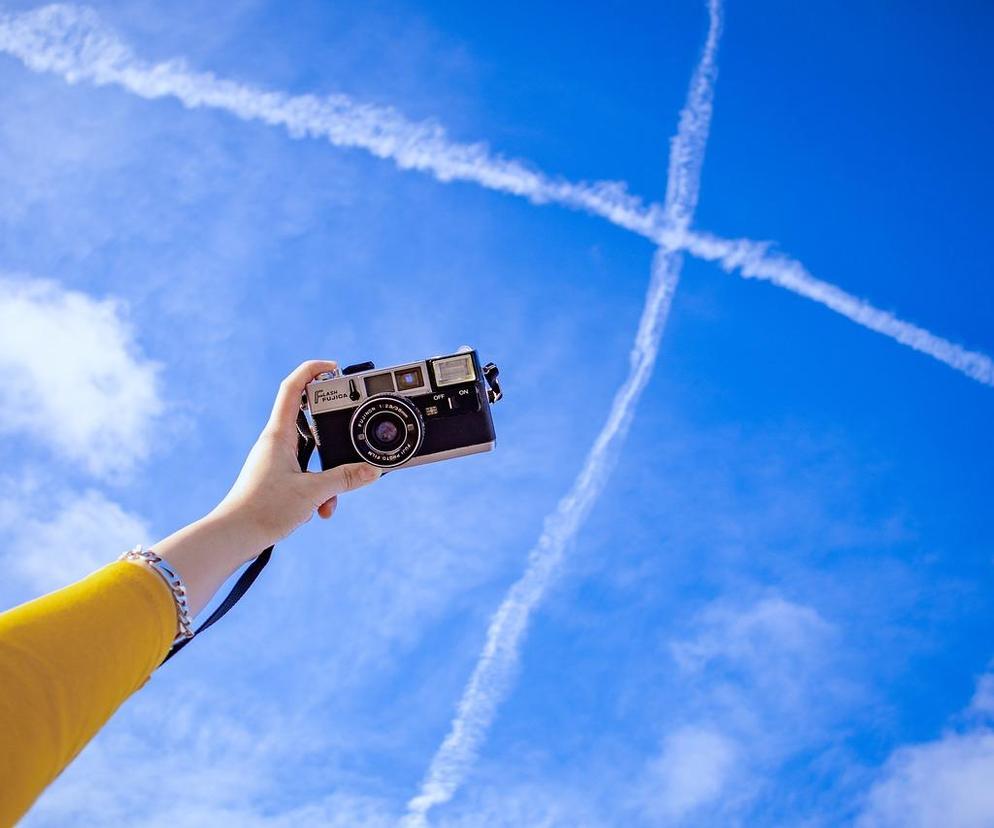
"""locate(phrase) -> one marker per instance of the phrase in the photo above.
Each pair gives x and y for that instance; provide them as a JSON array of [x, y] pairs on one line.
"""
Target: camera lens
[[383, 431], [386, 430]]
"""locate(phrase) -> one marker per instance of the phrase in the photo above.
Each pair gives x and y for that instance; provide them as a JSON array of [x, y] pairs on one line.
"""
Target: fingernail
[[367, 473]]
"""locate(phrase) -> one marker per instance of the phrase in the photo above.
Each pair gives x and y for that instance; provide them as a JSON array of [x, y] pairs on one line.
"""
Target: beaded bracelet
[[184, 623]]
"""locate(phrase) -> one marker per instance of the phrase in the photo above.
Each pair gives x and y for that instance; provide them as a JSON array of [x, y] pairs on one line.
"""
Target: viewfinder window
[[452, 370], [378, 383], [408, 378]]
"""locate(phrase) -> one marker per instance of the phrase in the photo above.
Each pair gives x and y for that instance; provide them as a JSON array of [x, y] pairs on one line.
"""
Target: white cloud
[[754, 675], [336, 811], [982, 703], [222, 762], [72, 377], [692, 771], [942, 784], [59, 537], [772, 634], [526, 803]]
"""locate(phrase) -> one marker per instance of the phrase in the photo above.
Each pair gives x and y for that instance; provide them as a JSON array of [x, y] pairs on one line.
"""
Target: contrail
[[71, 41], [494, 671], [753, 261]]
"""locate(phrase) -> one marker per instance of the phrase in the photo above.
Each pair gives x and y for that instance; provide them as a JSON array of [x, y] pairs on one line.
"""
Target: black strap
[[305, 447], [490, 373]]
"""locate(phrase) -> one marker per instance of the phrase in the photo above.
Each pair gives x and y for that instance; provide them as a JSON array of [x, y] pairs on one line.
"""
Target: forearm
[[206, 552]]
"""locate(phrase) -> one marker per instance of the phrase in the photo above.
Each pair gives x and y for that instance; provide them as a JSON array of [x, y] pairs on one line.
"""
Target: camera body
[[405, 415]]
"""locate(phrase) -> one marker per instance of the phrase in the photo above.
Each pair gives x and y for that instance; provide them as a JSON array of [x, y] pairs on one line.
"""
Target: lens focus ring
[[386, 430]]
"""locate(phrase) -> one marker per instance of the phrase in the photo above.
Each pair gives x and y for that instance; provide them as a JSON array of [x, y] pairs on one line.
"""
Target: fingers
[[327, 509], [284, 416], [342, 479]]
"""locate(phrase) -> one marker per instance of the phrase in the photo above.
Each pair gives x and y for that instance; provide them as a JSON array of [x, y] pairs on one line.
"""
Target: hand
[[271, 493], [270, 498]]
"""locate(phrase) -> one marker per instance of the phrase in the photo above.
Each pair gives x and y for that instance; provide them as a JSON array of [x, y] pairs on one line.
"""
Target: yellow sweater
[[68, 660]]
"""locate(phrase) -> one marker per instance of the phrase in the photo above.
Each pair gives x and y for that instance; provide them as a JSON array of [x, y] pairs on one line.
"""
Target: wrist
[[206, 552], [236, 535]]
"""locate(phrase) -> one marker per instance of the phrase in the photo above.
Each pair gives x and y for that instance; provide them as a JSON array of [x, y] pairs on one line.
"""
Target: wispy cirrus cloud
[[691, 772], [73, 377], [72, 42], [754, 677], [494, 670], [209, 757]]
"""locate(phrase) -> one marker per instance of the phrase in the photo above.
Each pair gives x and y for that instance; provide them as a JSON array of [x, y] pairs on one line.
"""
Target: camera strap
[[305, 447], [490, 374]]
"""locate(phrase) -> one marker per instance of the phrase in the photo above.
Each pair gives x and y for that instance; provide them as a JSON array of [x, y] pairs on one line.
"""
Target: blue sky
[[777, 612]]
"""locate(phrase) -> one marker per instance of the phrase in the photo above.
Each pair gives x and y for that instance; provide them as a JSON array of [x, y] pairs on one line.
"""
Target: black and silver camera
[[405, 415]]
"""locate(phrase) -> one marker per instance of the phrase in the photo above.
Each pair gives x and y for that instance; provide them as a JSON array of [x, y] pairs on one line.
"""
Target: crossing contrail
[[494, 671], [71, 41]]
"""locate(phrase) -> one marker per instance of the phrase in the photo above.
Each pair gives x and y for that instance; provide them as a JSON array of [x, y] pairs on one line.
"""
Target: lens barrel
[[386, 430]]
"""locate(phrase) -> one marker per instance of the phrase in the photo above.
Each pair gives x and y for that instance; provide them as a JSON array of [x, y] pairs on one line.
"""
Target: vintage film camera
[[405, 415]]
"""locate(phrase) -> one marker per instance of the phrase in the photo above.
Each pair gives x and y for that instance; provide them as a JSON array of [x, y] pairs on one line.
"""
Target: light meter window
[[378, 383]]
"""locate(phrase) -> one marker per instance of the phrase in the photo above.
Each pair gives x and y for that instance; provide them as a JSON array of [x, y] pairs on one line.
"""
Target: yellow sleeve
[[68, 660]]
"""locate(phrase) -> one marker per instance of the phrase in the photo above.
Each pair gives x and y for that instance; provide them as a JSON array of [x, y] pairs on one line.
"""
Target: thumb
[[344, 479]]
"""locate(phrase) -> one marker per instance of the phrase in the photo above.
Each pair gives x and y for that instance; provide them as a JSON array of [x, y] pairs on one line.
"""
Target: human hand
[[271, 493]]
